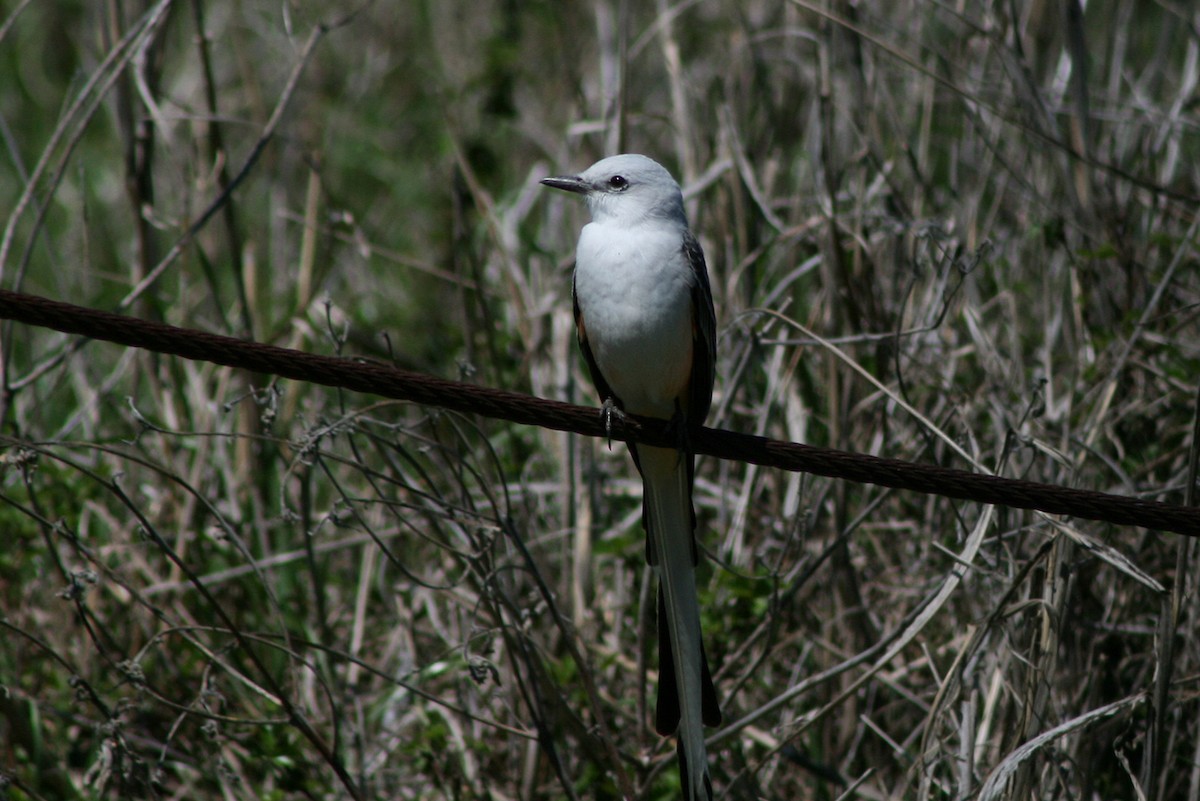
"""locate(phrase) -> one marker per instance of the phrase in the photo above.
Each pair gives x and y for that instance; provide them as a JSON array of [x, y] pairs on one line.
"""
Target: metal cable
[[392, 382]]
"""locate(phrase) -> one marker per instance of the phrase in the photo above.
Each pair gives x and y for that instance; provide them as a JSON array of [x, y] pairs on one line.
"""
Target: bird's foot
[[607, 410]]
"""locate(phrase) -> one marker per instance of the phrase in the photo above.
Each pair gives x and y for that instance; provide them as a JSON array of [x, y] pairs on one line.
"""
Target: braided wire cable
[[392, 382]]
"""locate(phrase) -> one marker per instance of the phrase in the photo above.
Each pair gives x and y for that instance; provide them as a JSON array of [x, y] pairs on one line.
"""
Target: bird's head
[[627, 188]]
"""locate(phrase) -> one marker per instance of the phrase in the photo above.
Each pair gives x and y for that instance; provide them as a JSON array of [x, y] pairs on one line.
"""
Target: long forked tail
[[687, 700]]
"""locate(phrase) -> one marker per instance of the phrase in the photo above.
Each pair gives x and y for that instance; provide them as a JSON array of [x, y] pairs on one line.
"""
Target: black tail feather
[[666, 713]]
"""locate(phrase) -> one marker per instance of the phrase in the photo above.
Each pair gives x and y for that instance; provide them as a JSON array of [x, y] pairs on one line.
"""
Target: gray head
[[626, 188]]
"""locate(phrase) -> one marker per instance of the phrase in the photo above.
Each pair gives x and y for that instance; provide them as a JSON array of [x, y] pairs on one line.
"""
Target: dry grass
[[935, 233]]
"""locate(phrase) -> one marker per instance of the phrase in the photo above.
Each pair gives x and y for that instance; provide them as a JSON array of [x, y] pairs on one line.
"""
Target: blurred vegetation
[[221, 585]]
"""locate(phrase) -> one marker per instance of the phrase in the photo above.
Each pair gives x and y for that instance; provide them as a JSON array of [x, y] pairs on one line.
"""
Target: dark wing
[[704, 335], [704, 350]]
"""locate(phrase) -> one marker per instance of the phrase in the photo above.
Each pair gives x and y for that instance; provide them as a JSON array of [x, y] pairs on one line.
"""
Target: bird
[[646, 326]]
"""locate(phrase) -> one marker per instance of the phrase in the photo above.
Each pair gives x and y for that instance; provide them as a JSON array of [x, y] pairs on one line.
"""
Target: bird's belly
[[639, 329]]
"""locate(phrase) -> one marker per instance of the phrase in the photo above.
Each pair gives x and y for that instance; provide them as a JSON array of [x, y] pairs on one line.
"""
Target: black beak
[[567, 183]]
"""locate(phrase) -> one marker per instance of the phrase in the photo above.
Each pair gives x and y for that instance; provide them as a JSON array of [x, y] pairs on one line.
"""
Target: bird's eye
[[618, 182]]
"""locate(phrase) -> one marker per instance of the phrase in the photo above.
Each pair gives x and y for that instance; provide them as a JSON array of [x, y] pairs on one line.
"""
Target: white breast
[[634, 289]]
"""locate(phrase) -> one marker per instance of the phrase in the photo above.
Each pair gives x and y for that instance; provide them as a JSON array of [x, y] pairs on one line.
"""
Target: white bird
[[645, 321]]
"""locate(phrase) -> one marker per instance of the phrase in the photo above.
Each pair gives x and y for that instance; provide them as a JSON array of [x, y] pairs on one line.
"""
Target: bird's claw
[[607, 410]]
